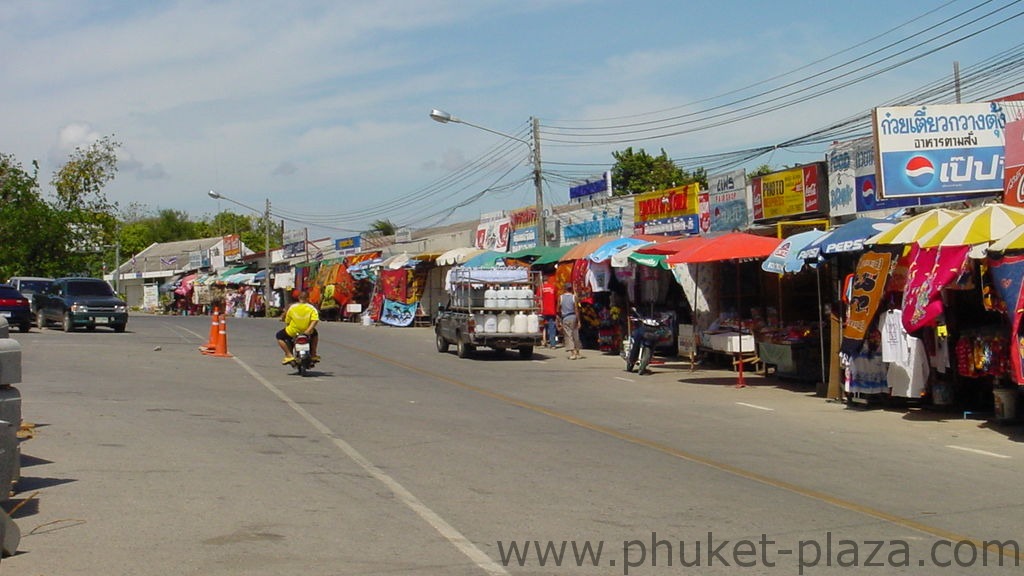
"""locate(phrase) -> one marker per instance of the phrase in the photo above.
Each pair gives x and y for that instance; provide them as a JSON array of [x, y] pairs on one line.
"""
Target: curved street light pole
[[444, 118], [266, 251]]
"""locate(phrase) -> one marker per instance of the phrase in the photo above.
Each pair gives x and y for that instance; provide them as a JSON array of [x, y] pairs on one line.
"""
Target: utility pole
[[542, 233]]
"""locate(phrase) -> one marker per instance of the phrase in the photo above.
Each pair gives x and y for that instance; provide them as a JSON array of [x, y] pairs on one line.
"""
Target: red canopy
[[674, 245], [731, 246]]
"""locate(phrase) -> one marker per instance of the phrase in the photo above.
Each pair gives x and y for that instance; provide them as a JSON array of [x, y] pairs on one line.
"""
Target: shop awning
[[540, 254], [731, 246], [457, 255], [979, 226], [585, 248], [788, 257], [671, 246], [486, 259], [609, 249], [427, 256], [649, 260], [225, 274], [847, 237]]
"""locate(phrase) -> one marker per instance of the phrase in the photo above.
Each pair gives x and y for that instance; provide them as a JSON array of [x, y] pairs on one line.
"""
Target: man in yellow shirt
[[301, 318]]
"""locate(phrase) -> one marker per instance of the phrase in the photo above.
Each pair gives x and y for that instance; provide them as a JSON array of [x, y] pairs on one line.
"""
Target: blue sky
[[322, 107]]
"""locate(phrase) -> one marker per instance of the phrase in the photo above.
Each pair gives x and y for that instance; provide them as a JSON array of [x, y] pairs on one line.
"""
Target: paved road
[[151, 459]]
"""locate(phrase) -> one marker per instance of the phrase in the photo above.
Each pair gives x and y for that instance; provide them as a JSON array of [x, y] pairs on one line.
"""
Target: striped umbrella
[[986, 224], [913, 229], [1014, 240]]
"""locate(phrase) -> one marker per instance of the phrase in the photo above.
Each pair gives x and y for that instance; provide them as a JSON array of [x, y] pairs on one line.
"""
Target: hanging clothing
[[894, 337], [908, 375]]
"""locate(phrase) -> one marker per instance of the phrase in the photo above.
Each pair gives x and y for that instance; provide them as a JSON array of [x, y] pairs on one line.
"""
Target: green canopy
[[541, 254], [651, 260], [231, 272]]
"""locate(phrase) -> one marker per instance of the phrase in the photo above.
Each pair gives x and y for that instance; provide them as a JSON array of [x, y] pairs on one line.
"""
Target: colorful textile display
[[398, 313], [1008, 277], [931, 270]]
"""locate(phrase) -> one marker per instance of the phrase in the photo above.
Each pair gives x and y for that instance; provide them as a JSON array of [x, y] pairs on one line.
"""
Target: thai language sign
[[523, 228], [857, 158], [940, 149], [348, 245], [493, 234], [232, 246], [669, 211], [787, 193], [723, 206]]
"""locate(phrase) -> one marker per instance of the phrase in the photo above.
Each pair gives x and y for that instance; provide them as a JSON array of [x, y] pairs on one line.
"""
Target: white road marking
[[445, 529], [756, 406], [976, 451], [624, 379]]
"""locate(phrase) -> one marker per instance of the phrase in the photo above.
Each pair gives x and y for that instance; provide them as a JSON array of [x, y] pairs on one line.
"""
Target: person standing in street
[[549, 311], [567, 312]]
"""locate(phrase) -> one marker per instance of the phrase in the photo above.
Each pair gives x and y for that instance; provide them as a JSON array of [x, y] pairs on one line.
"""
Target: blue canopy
[[613, 247], [847, 237], [788, 257], [488, 259]]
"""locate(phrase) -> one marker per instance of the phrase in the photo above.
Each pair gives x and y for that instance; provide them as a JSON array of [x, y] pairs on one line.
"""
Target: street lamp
[[444, 118], [266, 220]]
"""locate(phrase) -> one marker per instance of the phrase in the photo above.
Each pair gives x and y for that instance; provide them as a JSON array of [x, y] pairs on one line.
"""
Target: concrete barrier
[[10, 362]]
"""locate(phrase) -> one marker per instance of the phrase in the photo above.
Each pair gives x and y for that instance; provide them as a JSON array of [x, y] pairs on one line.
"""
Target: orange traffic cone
[[221, 348], [211, 343]]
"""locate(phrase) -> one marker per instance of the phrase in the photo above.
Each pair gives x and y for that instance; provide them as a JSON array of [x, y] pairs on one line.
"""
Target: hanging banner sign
[[670, 211], [345, 246], [940, 149], [789, 192], [868, 289], [597, 187], [723, 206]]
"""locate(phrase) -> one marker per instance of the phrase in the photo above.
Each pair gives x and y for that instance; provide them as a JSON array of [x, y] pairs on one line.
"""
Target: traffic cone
[[221, 348], [211, 343]]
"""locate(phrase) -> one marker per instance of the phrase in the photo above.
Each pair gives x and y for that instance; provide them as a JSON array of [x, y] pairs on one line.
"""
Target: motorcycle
[[301, 354], [646, 334]]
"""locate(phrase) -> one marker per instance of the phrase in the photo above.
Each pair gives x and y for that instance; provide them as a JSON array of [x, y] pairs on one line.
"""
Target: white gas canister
[[504, 323], [490, 297], [520, 324], [532, 323], [490, 323]]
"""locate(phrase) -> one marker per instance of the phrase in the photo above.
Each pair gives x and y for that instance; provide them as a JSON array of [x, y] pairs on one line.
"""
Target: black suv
[[75, 302]]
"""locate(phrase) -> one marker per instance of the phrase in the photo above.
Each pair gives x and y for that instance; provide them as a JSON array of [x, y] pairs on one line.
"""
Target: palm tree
[[383, 227]]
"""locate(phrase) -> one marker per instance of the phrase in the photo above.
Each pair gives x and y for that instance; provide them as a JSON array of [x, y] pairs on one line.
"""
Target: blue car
[[81, 302]]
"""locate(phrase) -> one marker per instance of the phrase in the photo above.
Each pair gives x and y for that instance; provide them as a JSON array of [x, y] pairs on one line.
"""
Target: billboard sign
[[524, 228], [346, 246], [232, 247], [294, 243], [597, 187], [788, 192], [1013, 180], [939, 149], [670, 211], [723, 206], [494, 234], [841, 157]]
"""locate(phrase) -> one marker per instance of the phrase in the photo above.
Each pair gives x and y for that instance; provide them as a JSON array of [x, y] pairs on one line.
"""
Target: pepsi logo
[[920, 171], [867, 188]]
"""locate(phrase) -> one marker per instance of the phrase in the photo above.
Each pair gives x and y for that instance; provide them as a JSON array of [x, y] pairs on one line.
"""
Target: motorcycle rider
[[301, 318]]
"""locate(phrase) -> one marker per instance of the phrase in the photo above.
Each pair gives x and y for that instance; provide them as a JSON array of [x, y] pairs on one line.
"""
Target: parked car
[[29, 286], [76, 302], [15, 308]]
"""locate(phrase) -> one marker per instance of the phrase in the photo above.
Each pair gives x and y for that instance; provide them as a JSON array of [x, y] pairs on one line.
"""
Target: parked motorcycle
[[644, 336], [303, 357]]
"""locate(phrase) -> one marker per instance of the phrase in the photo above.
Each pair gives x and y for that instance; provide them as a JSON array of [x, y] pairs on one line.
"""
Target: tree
[[30, 231], [88, 218], [639, 172], [383, 227], [761, 170]]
